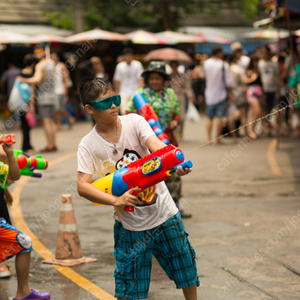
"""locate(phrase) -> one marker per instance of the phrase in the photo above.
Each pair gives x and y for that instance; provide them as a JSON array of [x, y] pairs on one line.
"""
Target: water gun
[[147, 111], [28, 164], [4, 171], [7, 139], [143, 173]]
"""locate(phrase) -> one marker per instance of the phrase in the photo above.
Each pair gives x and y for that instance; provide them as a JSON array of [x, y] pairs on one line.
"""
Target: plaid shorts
[[168, 242], [12, 241]]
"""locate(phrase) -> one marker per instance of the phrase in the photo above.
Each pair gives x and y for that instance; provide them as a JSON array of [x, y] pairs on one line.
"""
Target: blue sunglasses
[[106, 103]]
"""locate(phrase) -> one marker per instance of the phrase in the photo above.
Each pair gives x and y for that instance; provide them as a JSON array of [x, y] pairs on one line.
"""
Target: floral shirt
[[166, 109]]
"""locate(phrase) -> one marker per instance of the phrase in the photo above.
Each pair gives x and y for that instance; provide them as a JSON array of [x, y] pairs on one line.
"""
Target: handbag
[[192, 113], [19, 96]]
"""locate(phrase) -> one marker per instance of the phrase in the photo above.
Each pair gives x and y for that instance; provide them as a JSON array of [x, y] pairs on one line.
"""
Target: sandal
[[36, 296], [6, 274]]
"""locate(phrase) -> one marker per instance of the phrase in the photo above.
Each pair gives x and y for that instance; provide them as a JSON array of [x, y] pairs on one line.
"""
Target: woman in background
[[254, 93], [28, 72], [61, 91], [165, 104]]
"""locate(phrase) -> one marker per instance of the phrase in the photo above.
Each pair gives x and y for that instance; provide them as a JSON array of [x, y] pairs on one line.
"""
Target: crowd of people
[[250, 87], [228, 88]]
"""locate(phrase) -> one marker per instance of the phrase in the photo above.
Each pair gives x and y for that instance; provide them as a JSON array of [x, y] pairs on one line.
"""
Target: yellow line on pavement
[[20, 223], [271, 158]]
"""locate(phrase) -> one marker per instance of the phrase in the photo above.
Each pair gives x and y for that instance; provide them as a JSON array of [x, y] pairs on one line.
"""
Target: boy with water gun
[[12, 241], [152, 224]]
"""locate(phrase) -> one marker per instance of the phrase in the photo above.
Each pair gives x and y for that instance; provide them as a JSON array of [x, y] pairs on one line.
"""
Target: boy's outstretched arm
[[14, 171], [88, 191], [154, 144]]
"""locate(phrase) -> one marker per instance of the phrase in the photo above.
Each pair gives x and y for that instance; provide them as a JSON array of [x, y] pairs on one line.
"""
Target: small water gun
[[28, 164], [143, 173], [7, 139], [4, 171], [147, 111]]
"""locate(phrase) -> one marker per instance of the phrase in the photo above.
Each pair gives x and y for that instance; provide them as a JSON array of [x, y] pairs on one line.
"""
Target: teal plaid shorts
[[168, 242]]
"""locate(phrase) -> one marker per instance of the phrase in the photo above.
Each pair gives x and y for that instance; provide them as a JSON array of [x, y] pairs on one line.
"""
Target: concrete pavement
[[244, 229]]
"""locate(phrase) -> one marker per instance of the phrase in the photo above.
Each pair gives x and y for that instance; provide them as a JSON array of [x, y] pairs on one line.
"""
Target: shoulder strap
[[223, 74]]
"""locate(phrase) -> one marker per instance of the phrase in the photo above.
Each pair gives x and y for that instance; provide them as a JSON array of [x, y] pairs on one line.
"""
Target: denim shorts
[[218, 110], [169, 244]]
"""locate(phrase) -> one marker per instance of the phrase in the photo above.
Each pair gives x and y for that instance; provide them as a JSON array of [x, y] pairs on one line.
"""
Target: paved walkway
[[245, 226]]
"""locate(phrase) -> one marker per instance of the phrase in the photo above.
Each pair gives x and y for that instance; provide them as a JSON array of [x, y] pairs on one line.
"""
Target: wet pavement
[[244, 228]]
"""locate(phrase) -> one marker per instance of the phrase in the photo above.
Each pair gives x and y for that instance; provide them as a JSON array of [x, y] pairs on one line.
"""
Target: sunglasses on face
[[106, 103]]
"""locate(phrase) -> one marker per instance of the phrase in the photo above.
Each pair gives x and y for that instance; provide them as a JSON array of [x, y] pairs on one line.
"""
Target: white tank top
[[59, 86]]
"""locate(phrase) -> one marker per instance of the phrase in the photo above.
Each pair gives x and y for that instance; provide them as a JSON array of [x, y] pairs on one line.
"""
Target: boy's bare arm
[[154, 144], [88, 191], [7, 157]]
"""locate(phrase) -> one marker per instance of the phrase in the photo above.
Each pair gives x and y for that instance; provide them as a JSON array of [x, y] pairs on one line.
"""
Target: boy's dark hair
[[216, 49], [127, 50], [90, 88], [29, 59]]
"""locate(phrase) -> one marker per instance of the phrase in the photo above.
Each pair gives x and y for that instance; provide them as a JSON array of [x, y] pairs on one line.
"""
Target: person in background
[[294, 86], [198, 83], [28, 72], [127, 77], [165, 104], [9, 77], [98, 68], [254, 93], [61, 91], [239, 92], [270, 78], [44, 76], [181, 85], [242, 60], [218, 89]]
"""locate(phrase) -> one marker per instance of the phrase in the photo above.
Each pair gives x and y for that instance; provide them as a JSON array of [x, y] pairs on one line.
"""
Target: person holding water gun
[[13, 242], [166, 106], [114, 143]]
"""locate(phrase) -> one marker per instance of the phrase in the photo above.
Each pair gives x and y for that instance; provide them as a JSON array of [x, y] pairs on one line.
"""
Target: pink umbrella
[[9, 37], [178, 37], [96, 34], [42, 38], [147, 38], [212, 38], [169, 54]]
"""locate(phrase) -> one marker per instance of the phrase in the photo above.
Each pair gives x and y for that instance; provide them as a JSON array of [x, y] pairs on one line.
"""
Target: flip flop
[[6, 274], [36, 296]]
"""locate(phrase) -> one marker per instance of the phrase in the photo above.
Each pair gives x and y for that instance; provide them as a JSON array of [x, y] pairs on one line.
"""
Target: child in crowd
[[14, 242], [114, 142]]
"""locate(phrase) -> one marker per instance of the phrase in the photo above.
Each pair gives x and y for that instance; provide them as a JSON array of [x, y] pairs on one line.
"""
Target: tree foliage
[[154, 15]]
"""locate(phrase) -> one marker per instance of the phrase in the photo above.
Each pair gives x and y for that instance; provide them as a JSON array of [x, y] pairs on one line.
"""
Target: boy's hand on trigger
[[127, 199], [181, 172]]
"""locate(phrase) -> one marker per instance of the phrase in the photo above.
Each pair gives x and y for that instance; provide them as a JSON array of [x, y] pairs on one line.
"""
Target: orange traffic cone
[[68, 249]]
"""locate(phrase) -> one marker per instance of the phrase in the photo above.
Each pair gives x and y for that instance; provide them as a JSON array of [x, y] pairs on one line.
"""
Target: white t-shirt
[[96, 155], [244, 62], [216, 82], [269, 71], [129, 76]]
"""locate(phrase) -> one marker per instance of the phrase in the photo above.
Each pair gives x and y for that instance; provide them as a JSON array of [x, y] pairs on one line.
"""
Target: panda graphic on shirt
[[148, 196]]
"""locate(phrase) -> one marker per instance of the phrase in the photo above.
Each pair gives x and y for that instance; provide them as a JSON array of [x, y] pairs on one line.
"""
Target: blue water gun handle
[[187, 164]]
